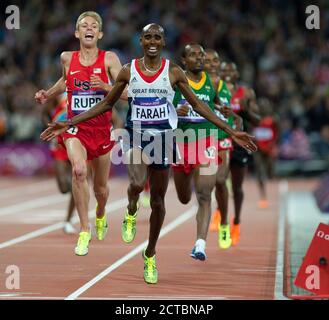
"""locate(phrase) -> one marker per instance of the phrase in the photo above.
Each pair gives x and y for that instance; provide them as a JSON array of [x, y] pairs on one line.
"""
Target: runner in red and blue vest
[[148, 142], [86, 77], [266, 136]]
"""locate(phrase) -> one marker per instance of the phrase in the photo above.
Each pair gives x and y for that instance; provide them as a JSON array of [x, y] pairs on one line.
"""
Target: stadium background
[[286, 64]]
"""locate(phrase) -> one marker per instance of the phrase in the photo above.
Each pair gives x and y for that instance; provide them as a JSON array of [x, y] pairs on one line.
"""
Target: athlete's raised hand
[[41, 96], [54, 129], [182, 110], [244, 140], [226, 111], [97, 82]]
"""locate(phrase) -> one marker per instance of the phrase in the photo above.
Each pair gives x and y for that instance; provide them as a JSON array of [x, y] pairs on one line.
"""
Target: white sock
[[201, 244]]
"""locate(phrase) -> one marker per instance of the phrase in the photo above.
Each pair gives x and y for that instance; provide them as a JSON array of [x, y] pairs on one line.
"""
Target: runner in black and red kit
[[243, 103]]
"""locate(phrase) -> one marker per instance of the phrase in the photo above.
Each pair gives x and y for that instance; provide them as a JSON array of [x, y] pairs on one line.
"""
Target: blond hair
[[92, 14]]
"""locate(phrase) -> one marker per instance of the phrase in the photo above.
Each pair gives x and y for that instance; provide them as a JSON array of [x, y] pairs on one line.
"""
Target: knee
[[203, 196], [184, 198], [157, 204], [238, 191], [80, 171], [64, 187], [136, 187], [100, 191]]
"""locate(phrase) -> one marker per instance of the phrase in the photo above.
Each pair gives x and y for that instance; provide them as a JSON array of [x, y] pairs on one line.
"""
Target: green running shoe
[[150, 269], [128, 228]]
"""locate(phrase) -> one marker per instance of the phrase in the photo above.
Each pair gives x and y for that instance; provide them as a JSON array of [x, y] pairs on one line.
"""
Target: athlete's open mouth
[[152, 49], [89, 36]]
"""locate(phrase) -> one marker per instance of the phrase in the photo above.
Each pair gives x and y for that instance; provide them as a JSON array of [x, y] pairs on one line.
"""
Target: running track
[[31, 237]]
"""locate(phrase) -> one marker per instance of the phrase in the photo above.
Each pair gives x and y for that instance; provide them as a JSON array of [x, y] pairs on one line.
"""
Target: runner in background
[[56, 110], [266, 136], [243, 103], [220, 221]]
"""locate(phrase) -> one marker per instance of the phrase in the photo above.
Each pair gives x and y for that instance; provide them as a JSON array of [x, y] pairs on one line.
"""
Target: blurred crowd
[[286, 64]]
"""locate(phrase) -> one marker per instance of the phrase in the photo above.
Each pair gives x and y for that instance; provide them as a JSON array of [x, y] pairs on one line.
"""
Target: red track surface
[[50, 270]]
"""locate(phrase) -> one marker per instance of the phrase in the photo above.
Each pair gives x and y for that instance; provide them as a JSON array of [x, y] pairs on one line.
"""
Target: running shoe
[[235, 233], [145, 200], [128, 228], [69, 228], [150, 269], [101, 227], [224, 236], [263, 204], [83, 242], [215, 221], [198, 253]]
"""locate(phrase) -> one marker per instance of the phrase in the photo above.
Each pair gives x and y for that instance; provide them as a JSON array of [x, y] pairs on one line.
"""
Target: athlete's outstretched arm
[[43, 96], [55, 129], [180, 80]]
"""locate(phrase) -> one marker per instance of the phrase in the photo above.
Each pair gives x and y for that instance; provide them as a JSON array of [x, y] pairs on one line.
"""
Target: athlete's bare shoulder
[[66, 57], [111, 55], [176, 74]]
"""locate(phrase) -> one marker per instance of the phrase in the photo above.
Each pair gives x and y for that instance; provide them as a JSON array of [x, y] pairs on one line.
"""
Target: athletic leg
[[221, 192], [101, 170], [78, 158], [159, 180], [237, 174], [183, 185]]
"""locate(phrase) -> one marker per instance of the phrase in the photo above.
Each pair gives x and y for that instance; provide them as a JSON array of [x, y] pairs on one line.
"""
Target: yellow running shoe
[[128, 228], [83, 242], [150, 269], [224, 237], [101, 227]]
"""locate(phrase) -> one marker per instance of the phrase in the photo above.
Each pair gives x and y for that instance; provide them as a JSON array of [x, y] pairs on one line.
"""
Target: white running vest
[[151, 104]]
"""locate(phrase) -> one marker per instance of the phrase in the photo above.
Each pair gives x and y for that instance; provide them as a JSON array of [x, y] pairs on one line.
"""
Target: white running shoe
[[69, 229]]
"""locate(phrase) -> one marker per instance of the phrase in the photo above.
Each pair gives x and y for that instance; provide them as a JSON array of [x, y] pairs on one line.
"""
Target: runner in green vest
[[220, 221], [200, 152]]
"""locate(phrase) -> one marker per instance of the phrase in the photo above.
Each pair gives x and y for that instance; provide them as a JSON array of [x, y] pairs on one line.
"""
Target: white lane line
[[33, 204], [28, 188], [171, 226], [115, 205], [279, 273]]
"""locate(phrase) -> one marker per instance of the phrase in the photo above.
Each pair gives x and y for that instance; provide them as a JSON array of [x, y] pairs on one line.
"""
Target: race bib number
[[73, 130], [192, 116], [81, 103], [210, 152], [225, 143]]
